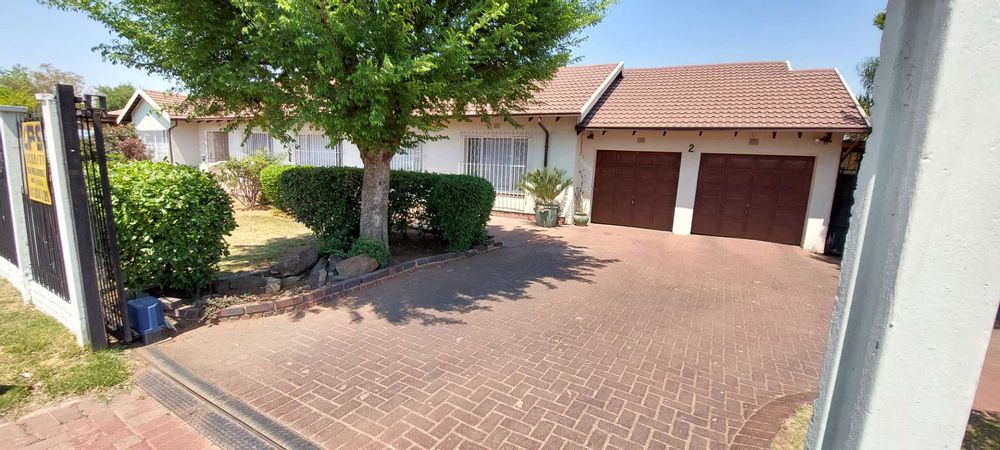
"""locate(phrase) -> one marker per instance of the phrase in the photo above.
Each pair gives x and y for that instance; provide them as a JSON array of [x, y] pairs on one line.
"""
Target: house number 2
[[690, 148]]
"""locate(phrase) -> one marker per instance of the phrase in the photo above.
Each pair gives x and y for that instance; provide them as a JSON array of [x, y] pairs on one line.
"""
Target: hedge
[[327, 200], [269, 185], [172, 221]]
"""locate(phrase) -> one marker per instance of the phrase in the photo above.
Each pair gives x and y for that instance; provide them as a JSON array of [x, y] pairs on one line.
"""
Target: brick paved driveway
[[574, 337]]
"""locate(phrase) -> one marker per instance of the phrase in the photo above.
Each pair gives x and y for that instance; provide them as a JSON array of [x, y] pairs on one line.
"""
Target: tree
[[116, 96], [866, 70], [18, 84], [385, 74]]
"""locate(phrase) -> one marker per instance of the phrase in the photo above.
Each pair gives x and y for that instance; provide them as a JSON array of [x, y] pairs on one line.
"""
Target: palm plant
[[545, 185]]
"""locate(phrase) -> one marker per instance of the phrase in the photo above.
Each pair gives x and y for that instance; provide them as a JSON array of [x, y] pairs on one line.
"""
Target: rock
[[358, 265], [296, 261], [239, 282], [317, 276], [272, 285], [291, 282]]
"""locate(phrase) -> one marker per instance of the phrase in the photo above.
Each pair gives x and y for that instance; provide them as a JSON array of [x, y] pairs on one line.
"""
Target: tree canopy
[[19, 84], [385, 74], [866, 70], [117, 95]]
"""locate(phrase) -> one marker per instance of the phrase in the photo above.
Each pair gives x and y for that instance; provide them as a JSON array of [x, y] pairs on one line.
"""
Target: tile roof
[[570, 89], [170, 103], [764, 95]]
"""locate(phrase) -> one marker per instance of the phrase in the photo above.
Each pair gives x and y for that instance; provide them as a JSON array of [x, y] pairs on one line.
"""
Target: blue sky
[[642, 33]]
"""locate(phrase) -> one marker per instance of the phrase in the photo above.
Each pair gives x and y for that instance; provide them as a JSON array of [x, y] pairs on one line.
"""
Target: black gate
[[87, 165], [44, 242], [8, 250]]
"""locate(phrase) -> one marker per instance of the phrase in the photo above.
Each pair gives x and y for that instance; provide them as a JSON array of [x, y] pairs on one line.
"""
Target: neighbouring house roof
[[760, 95]]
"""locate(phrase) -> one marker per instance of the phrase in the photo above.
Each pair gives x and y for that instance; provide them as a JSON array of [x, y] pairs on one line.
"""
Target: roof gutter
[[170, 140]]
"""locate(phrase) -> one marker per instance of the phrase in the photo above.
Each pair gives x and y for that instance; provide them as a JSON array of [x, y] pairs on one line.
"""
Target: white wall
[[919, 287], [786, 143]]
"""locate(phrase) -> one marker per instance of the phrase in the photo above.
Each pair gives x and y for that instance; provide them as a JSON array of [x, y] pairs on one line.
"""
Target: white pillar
[[9, 118], [921, 275], [56, 153], [687, 187]]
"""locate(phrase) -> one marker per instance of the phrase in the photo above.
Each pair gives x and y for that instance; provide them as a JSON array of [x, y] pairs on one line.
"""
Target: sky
[[642, 33]]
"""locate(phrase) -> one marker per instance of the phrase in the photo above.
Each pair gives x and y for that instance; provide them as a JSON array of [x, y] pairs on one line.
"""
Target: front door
[[636, 189]]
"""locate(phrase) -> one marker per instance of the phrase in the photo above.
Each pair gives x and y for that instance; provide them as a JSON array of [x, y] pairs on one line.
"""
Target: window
[[412, 159], [216, 146], [156, 144], [500, 160], [314, 149], [258, 144]]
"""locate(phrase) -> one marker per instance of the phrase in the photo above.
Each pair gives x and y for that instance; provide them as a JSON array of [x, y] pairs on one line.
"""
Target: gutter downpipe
[[545, 159], [170, 140]]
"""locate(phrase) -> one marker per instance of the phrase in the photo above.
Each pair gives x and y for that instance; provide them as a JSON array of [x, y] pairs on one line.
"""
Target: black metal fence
[[44, 242], [8, 250], [87, 166]]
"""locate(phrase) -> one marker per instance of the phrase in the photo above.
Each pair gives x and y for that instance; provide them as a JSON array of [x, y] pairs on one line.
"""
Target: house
[[745, 150]]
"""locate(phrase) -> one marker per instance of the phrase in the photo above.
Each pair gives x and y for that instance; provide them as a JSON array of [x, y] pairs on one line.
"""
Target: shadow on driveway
[[529, 256]]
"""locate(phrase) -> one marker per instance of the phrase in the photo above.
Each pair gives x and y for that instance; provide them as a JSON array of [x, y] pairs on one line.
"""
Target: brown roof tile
[[570, 89], [766, 95]]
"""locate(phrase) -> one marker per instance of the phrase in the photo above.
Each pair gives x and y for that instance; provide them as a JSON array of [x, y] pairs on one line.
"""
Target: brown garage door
[[636, 189], [753, 197]]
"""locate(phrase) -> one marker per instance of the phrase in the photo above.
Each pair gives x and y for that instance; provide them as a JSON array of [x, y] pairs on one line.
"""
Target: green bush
[[172, 221], [270, 194], [242, 177], [365, 246], [328, 201]]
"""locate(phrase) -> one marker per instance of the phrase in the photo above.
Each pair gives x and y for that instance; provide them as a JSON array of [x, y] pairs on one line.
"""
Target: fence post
[[10, 116], [90, 326]]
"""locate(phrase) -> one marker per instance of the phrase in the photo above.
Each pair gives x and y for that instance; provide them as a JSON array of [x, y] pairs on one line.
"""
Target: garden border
[[329, 292]]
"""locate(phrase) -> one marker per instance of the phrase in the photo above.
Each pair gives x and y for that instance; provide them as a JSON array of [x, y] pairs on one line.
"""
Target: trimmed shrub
[[172, 221], [375, 250], [328, 201], [270, 194]]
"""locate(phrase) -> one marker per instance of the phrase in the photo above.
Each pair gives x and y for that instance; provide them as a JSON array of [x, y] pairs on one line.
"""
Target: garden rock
[[317, 276], [354, 266], [296, 262], [273, 285], [240, 282], [291, 282]]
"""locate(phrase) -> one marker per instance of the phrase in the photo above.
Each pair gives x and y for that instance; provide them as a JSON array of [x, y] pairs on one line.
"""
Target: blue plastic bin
[[146, 316]]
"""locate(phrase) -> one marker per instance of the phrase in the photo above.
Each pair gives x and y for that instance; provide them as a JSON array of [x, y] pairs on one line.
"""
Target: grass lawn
[[40, 361], [260, 237], [982, 432]]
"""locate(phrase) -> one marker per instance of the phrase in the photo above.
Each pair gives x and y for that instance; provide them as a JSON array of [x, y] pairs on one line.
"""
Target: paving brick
[[570, 338]]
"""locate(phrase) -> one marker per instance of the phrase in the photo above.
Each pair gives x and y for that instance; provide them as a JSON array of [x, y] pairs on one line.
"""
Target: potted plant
[[545, 185]]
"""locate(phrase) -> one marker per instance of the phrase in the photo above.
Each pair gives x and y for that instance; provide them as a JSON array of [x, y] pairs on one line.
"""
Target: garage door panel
[[753, 196], [642, 191]]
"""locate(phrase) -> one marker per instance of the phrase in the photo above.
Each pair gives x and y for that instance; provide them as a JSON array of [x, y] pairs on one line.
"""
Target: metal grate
[[502, 161], [93, 161], [44, 243]]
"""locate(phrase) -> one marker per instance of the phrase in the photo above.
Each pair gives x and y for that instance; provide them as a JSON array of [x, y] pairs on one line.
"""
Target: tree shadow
[[263, 254], [433, 296]]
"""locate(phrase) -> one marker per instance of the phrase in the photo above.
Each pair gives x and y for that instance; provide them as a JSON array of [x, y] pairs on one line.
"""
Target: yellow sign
[[36, 170]]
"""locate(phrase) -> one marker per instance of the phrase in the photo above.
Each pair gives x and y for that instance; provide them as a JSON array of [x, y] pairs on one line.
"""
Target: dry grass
[[40, 360], [261, 237], [792, 435]]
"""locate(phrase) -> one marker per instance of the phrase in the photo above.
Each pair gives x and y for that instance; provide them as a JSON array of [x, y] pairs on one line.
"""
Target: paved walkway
[[130, 421], [573, 337], [988, 392]]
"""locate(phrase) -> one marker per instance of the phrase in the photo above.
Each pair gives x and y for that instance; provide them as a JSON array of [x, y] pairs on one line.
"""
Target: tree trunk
[[375, 196]]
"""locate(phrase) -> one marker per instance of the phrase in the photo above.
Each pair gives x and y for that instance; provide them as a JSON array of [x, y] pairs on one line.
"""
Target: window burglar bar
[[502, 161], [315, 150], [411, 159]]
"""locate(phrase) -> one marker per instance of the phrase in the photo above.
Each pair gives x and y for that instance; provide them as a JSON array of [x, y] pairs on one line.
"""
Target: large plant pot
[[581, 220], [546, 215]]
